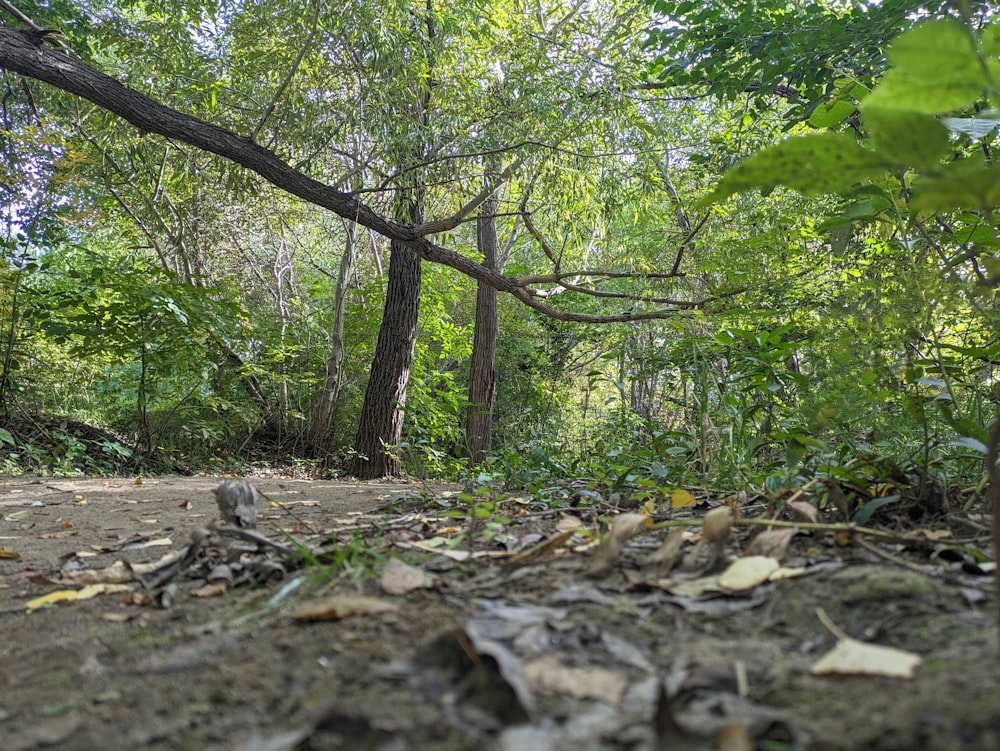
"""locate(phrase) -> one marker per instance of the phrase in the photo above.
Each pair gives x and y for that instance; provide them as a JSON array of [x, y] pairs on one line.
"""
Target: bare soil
[[494, 652]]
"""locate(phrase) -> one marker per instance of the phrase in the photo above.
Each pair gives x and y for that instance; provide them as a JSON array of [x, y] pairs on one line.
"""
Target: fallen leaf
[[545, 546], [186, 505], [58, 535], [399, 577], [116, 573], [804, 511], [771, 543], [568, 522], [788, 573], [62, 595], [853, 657], [163, 542], [18, 516], [681, 498], [622, 528], [335, 608], [10, 555], [215, 589], [93, 590], [669, 552], [79, 499], [747, 572], [117, 617], [138, 481], [549, 676]]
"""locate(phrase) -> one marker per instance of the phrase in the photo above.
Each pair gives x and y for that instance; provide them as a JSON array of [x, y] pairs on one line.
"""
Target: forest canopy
[[276, 232]]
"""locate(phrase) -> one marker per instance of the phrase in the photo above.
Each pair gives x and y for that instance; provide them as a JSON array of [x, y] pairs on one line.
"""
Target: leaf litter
[[553, 642]]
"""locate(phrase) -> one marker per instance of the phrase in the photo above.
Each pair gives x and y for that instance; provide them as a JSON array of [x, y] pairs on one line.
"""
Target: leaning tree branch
[[26, 53]]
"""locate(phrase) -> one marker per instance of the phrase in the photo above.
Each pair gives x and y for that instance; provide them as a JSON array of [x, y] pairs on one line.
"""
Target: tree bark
[[319, 430], [380, 427], [482, 368]]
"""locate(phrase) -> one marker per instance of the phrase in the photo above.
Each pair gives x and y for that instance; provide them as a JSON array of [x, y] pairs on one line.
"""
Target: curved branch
[[25, 53]]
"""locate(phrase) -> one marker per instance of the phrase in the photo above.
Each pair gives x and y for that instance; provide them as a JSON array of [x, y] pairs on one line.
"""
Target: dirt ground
[[503, 643]]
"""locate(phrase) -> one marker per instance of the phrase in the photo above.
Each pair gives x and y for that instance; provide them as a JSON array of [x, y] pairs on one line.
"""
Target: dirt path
[[526, 653]]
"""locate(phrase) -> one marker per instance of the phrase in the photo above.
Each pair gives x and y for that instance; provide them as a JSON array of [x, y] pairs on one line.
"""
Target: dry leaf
[[771, 543], [804, 511], [746, 573], [93, 590], [716, 525], [669, 552], [18, 516], [680, 498], [623, 527], [79, 499], [186, 505], [853, 657], [545, 546], [10, 555], [568, 523], [116, 573], [211, 590], [399, 577], [138, 481], [547, 675], [117, 617], [335, 608]]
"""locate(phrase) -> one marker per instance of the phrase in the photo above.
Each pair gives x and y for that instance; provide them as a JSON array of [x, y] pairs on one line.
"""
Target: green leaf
[[817, 163], [828, 115], [908, 139], [937, 69], [6, 437], [934, 48], [965, 184]]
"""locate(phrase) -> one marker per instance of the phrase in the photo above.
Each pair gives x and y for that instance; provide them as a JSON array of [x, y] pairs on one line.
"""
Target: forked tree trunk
[[482, 368], [381, 425]]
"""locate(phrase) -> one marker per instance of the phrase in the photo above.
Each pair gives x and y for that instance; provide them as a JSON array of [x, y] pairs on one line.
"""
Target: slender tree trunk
[[380, 428], [318, 431], [482, 369]]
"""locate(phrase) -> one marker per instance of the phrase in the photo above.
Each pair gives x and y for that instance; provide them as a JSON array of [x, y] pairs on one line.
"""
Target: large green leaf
[[811, 164], [937, 69], [968, 183], [909, 139]]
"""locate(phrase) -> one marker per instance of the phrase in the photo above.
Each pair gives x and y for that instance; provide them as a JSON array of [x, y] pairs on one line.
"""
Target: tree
[[482, 370]]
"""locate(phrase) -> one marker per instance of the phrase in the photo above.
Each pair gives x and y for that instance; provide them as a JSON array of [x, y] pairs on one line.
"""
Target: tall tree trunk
[[482, 368], [381, 425], [318, 431]]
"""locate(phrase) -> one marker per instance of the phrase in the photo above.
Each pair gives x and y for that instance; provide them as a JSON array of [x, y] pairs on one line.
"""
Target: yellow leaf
[[12, 555], [62, 595], [680, 498]]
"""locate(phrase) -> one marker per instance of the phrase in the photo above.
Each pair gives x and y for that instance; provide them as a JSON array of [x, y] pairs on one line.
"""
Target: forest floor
[[373, 630]]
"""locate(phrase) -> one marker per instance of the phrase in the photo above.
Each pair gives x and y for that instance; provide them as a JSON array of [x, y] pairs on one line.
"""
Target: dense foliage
[[846, 331]]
